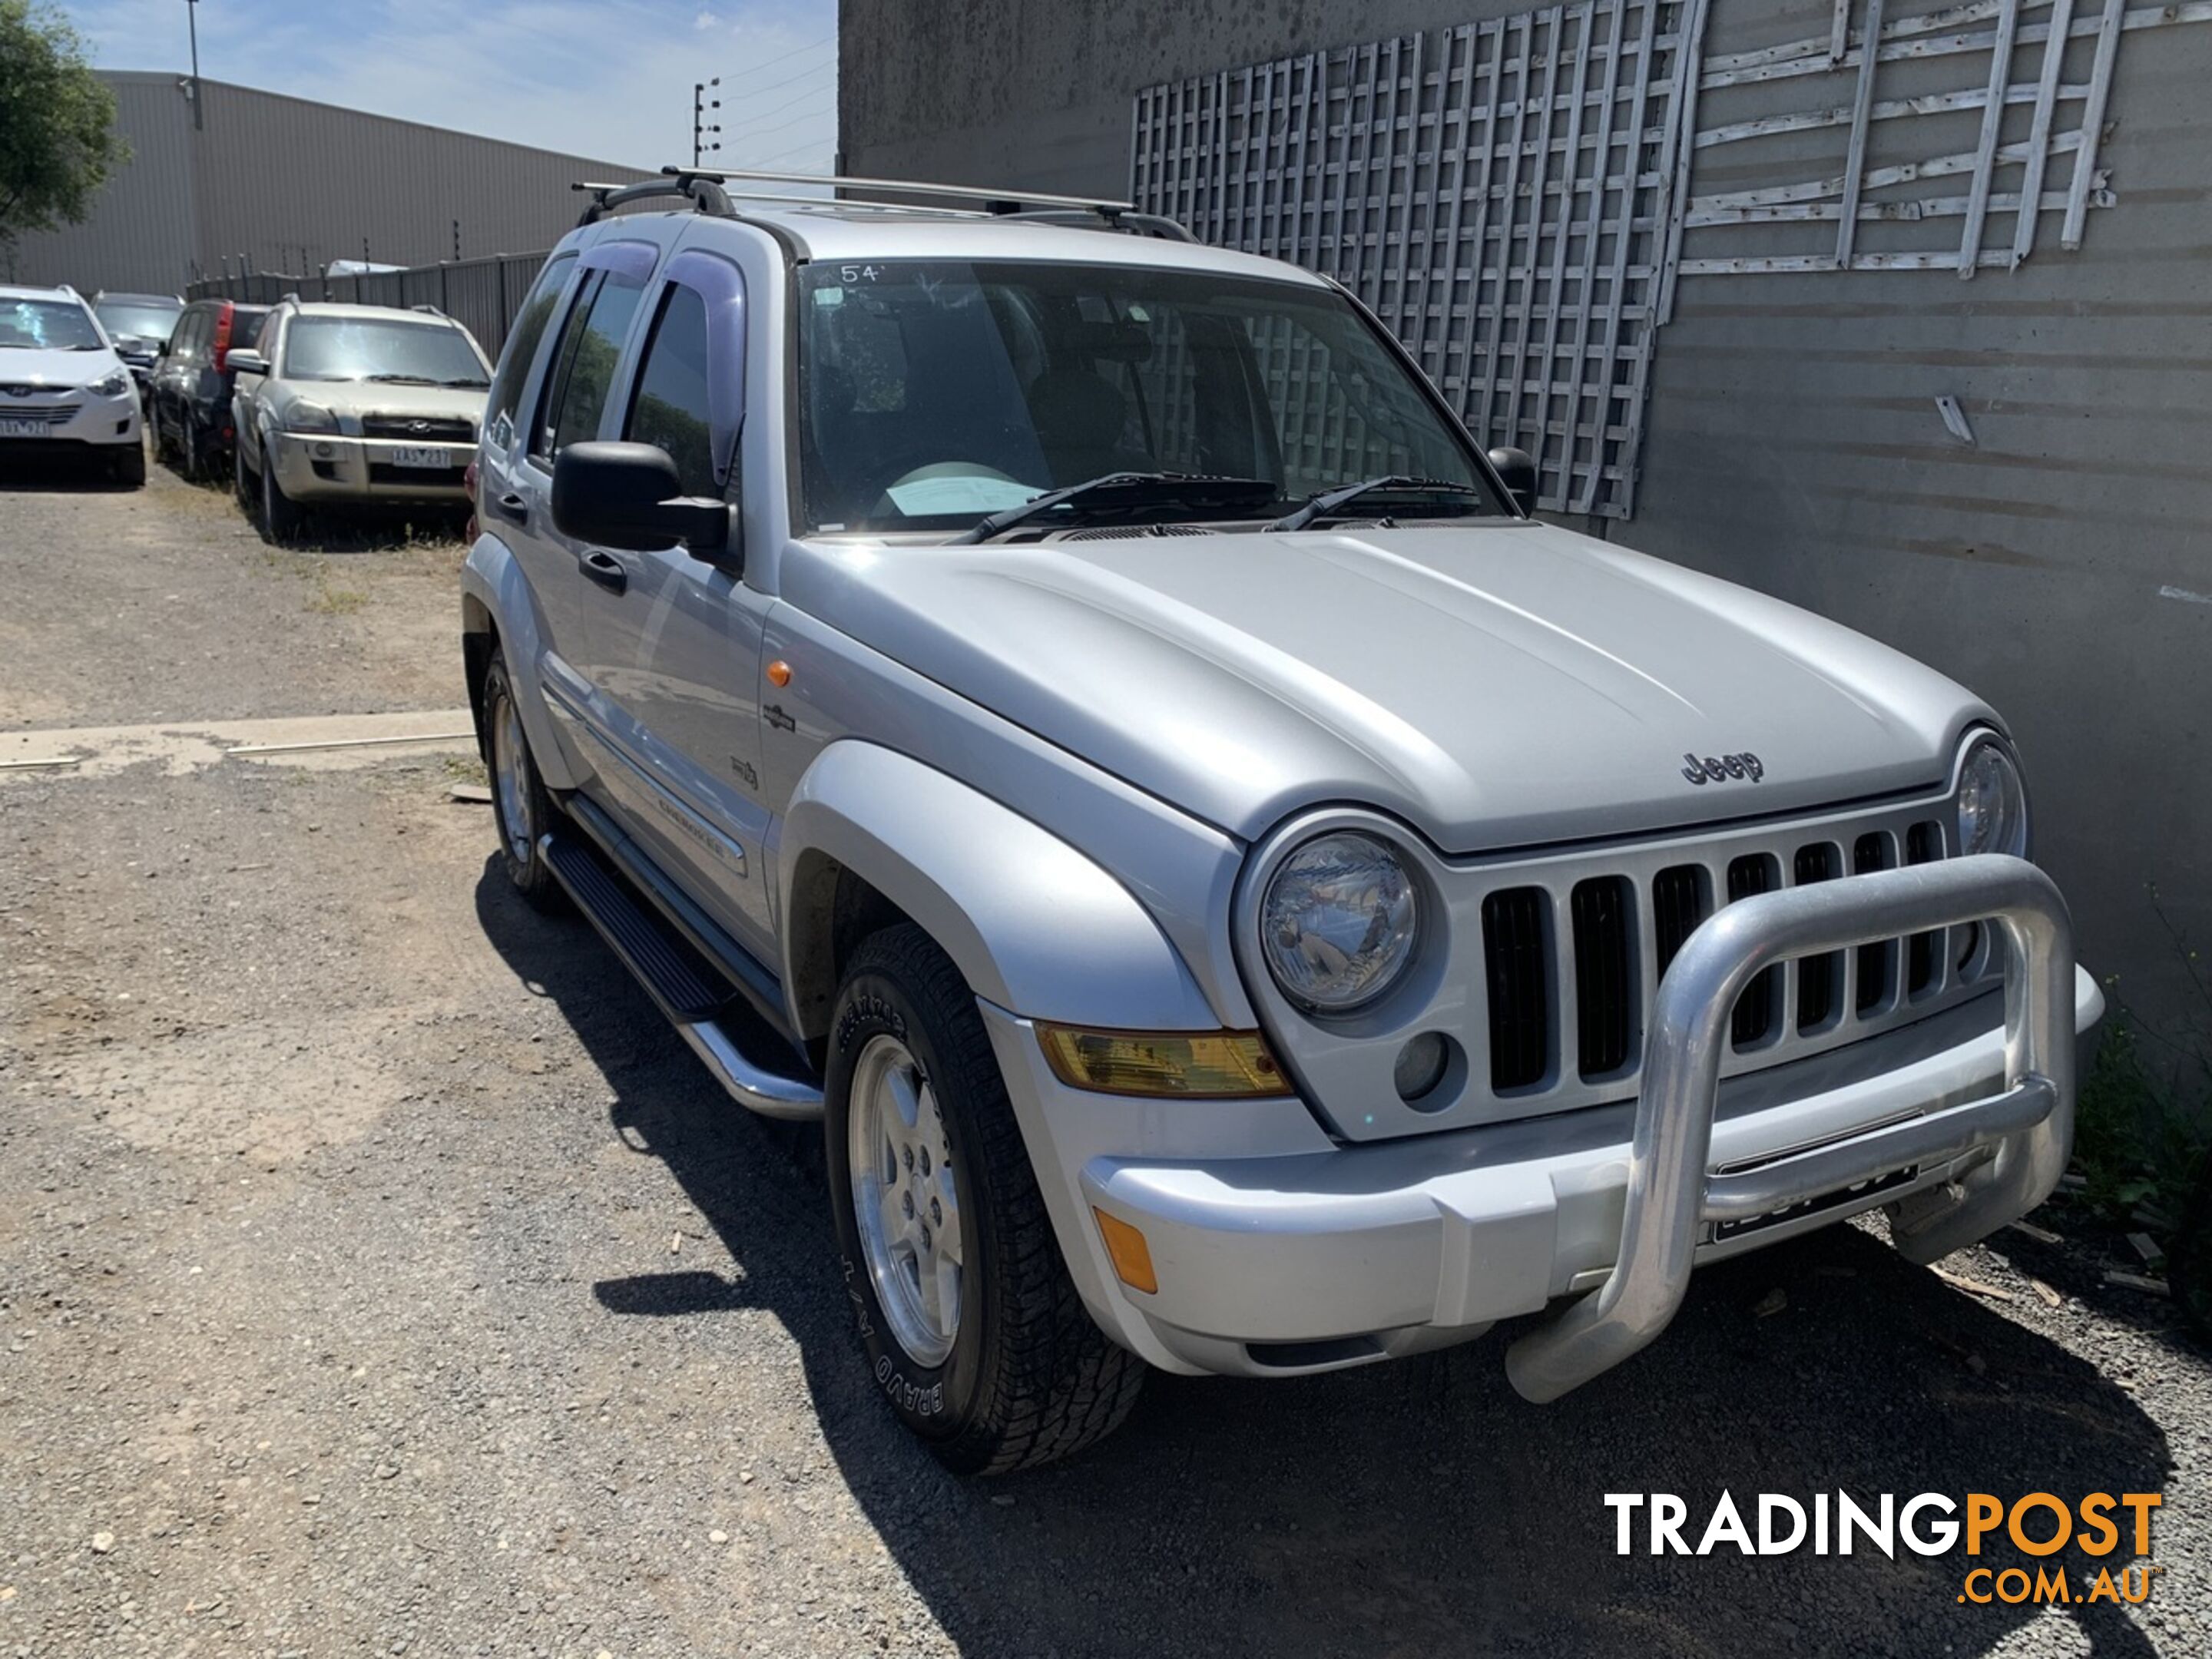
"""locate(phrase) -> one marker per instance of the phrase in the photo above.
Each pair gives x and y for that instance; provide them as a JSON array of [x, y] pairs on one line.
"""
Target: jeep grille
[[1566, 963]]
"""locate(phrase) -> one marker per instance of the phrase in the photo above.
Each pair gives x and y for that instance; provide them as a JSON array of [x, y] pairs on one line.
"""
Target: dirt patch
[[185, 611]]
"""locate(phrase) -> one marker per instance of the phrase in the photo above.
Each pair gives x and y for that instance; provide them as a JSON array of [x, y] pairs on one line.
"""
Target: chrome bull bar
[[1671, 1193]]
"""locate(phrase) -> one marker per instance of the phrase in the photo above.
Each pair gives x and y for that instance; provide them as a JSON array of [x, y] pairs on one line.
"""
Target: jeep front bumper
[[1280, 1251]]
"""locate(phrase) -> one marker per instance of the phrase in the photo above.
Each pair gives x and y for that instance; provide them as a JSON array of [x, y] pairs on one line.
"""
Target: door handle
[[605, 569], [511, 507]]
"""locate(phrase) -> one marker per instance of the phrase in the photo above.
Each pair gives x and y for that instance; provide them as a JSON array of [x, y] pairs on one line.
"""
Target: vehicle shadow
[[1417, 1508], [60, 475]]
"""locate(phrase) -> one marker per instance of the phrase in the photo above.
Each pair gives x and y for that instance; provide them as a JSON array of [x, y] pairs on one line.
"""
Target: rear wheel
[[972, 1328], [519, 805]]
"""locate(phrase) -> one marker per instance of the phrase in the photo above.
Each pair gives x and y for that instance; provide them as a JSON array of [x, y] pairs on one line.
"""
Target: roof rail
[[1137, 224], [703, 189], [991, 198]]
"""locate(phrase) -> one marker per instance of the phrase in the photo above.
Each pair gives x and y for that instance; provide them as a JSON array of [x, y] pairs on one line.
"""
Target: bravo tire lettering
[[908, 1396], [1719, 768], [863, 1010]]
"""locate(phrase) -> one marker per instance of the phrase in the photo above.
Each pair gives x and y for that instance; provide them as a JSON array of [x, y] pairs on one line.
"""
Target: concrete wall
[[292, 184], [1035, 93], [2059, 566]]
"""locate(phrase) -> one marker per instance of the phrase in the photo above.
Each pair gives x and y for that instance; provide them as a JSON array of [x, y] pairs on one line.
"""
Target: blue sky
[[607, 79]]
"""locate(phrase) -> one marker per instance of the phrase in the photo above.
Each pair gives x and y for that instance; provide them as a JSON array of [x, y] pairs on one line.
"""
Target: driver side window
[[671, 408]]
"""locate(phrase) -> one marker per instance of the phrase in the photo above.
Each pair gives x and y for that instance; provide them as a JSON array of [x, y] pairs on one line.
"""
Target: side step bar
[[706, 1009]]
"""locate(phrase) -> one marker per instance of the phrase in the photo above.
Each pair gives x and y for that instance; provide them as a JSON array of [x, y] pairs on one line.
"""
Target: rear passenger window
[[522, 348], [671, 408], [590, 348]]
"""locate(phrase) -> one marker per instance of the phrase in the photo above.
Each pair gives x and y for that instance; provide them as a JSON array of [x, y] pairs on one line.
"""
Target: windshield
[[936, 392], [371, 348], [48, 326], [144, 319]]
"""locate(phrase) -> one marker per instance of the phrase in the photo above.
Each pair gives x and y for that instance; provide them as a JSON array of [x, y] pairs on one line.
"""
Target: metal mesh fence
[[1496, 192]]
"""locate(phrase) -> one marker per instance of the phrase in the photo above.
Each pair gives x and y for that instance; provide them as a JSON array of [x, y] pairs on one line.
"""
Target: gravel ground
[[378, 1274]]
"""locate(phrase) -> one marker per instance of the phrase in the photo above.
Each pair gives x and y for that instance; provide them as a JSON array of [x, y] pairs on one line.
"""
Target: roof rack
[[1137, 224], [993, 200], [704, 190], [711, 192]]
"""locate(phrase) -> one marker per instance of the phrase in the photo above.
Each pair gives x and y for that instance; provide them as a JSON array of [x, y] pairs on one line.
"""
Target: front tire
[[973, 1330], [129, 468], [280, 514], [241, 482], [519, 805], [192, 451]]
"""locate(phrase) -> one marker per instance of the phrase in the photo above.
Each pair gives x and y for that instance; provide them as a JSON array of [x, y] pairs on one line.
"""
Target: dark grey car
[[188, 395]]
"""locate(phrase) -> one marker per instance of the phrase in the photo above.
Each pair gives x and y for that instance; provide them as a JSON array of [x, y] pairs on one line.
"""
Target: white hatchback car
[[62, 388]]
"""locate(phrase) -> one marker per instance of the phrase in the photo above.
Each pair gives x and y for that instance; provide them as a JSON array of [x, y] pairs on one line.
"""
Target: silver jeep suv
[[353, 405], [1073, 711]]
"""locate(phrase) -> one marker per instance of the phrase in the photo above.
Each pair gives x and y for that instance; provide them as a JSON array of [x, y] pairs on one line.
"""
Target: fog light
[[1421, 1066], [325, 452], [1132, 1256]]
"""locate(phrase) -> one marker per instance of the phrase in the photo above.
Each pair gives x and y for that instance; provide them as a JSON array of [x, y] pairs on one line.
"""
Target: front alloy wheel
[[904, 1198], [972, 1328]]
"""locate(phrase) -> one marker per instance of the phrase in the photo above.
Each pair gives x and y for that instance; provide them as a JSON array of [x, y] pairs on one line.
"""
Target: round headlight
[[1992, 805], [1338, 921]]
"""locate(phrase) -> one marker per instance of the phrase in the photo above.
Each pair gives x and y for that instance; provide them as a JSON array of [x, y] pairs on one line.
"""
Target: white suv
[[62, 389]]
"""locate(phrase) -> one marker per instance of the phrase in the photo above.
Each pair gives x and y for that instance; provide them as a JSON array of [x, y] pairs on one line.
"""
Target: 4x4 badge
[[1719, 768]]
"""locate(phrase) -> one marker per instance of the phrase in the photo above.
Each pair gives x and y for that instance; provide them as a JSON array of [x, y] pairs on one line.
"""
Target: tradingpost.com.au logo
[[2113, 1529]]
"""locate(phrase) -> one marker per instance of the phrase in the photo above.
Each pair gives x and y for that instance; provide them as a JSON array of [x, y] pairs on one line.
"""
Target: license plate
[[22, 429], [415, 455]]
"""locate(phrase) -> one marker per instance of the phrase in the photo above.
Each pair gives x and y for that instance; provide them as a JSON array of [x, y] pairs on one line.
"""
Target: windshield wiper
[[1325, 504], [1129, 490], [403, 379]]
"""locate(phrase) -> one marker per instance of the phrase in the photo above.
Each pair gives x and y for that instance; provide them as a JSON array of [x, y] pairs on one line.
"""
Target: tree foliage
[[57, 138]]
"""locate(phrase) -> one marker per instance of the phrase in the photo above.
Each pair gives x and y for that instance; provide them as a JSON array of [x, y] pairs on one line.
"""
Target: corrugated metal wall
[[282, 183], [142, 233]]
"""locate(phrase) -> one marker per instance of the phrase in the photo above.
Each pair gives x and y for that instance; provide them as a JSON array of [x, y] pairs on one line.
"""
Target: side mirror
[[629, 496], [247, 362], [1516, 468]]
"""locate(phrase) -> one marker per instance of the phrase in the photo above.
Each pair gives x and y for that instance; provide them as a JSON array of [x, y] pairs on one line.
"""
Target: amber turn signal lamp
[[1194, 1064], [779, 672], [1132, 1256]]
